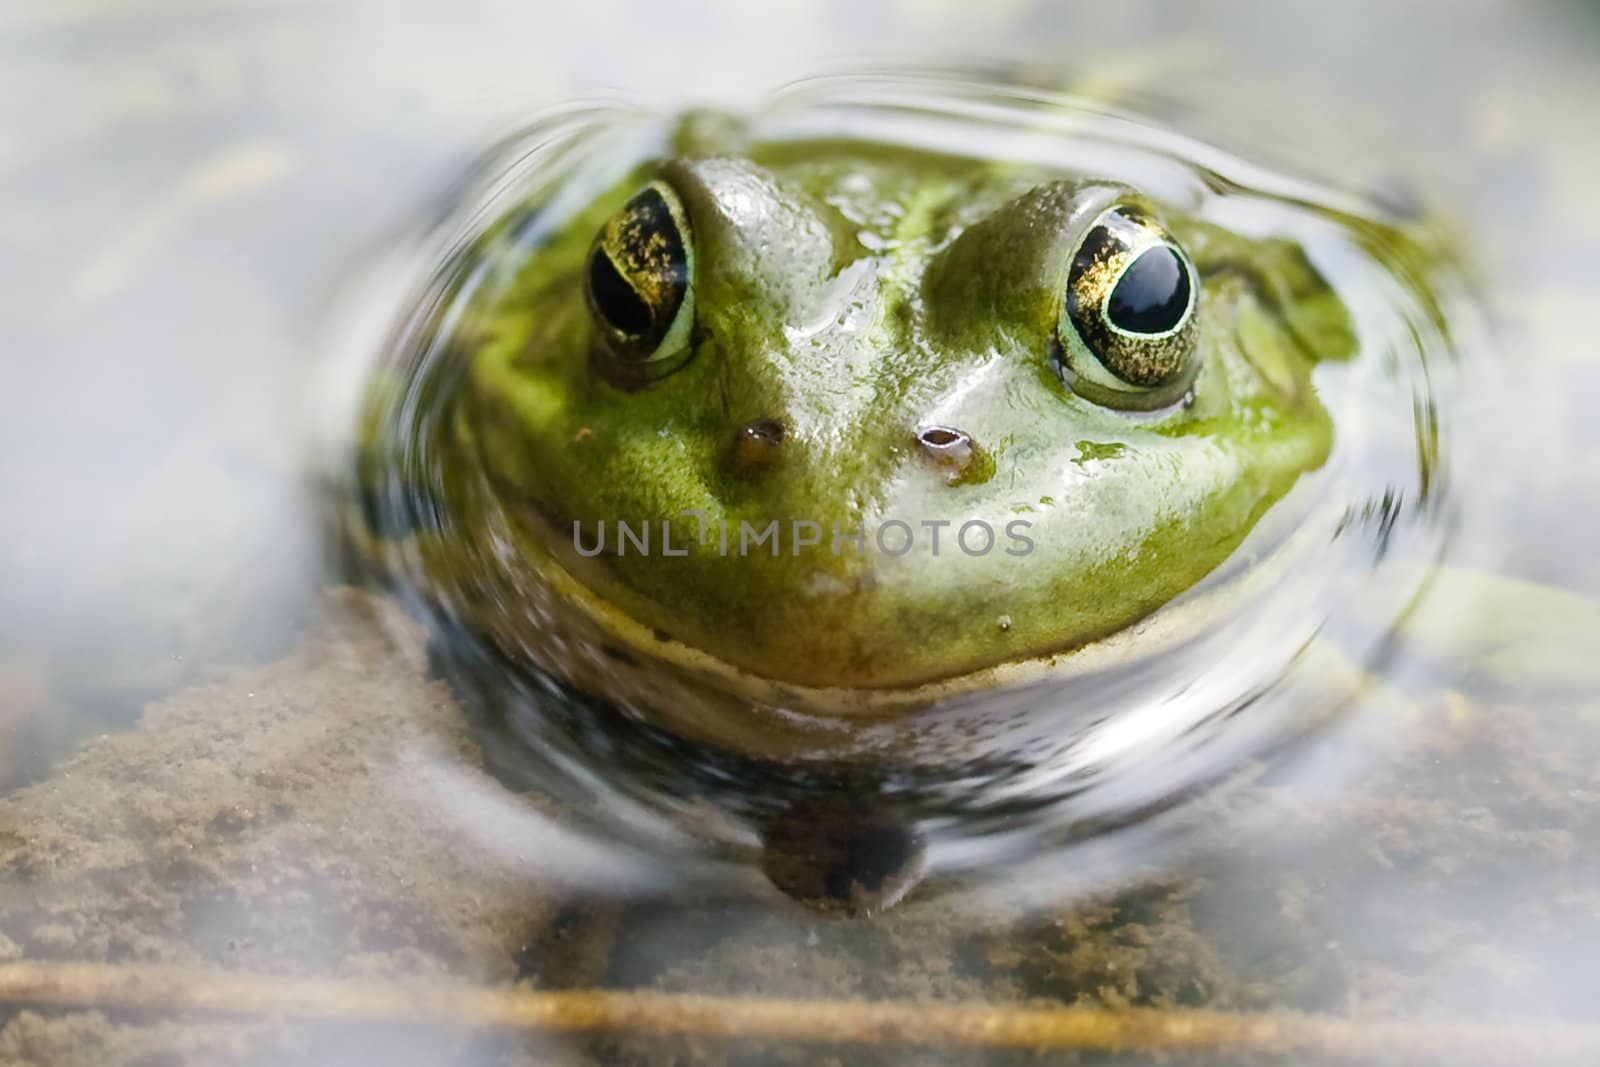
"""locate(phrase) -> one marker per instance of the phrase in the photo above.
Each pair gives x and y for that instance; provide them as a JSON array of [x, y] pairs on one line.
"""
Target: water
[[182, 252]]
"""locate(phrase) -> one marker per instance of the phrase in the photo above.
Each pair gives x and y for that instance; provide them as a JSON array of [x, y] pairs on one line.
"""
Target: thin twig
[[941, 1024]]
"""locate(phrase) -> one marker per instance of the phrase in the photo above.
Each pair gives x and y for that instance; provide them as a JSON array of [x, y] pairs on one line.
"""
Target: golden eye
[[1129, 323], [639, 282]]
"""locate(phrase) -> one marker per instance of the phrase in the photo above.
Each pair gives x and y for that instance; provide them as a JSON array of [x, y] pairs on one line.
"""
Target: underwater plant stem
[[656, 1014]]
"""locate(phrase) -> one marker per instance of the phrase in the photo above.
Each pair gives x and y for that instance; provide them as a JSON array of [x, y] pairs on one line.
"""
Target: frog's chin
[[607, 652], [573, 630]]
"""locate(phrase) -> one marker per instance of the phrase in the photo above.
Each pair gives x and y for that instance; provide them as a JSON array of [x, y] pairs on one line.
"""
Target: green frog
[[770, 436]]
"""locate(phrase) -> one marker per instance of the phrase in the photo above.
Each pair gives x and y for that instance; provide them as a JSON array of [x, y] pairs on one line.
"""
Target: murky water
[[203, 252]]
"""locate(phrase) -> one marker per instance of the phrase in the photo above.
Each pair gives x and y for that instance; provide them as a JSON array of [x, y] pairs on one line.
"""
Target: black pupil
[[615, 297], [1152, 294]]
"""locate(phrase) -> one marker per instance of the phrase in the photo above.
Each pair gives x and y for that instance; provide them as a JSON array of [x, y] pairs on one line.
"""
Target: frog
[[773, 434]]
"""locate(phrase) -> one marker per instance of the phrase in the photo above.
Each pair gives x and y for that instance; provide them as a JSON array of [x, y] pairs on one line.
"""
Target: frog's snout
[[759, 443]]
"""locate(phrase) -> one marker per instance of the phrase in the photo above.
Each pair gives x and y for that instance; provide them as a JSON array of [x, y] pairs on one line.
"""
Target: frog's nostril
[[954, 452], [758, 443], [946, 447]]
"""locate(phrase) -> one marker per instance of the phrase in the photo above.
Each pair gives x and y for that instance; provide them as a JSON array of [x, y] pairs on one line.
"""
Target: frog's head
[[950, 415]]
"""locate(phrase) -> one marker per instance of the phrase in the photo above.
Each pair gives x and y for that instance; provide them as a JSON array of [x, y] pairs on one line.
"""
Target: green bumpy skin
[[847, 298]]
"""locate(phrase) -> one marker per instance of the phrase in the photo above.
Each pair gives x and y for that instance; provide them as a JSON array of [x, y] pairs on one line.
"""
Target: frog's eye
[[1129, 318], [639, 281]]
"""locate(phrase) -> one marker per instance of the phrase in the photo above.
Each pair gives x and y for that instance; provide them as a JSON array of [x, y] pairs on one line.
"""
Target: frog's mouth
[[1190, 614]]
